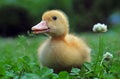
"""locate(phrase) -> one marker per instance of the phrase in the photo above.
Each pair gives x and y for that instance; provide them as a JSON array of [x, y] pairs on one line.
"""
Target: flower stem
[[99, 51], [102, 61]]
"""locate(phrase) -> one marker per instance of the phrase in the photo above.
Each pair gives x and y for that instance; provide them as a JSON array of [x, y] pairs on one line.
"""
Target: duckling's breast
[[58, 54]]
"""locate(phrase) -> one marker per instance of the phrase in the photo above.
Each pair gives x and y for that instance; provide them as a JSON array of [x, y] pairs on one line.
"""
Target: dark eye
[[54, 18]]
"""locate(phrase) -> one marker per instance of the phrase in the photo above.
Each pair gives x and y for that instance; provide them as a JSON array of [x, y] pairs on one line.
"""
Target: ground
[[18, 58]]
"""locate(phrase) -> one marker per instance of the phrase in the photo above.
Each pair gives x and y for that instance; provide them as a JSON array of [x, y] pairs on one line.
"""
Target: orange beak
[[40, 28]]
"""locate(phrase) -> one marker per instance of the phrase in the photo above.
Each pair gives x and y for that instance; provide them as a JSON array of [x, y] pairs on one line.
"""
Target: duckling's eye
[[54, 18]]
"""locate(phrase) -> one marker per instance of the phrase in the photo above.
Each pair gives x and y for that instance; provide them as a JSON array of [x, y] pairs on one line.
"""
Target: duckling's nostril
[[43, 23]]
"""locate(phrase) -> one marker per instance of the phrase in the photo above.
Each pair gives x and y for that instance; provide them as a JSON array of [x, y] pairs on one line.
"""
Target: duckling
[[61, 51]]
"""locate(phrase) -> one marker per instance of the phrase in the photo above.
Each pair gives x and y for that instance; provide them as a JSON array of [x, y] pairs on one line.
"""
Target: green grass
[[18, 58]]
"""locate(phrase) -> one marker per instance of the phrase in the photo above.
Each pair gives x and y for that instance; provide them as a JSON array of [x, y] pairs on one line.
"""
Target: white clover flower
[[108, 56], [99, 27]]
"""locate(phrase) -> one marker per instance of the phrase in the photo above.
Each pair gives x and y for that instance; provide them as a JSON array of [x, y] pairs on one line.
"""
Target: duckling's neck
[[61, 37]]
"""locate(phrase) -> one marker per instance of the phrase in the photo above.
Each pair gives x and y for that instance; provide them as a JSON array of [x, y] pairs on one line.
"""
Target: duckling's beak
[[40, 28]]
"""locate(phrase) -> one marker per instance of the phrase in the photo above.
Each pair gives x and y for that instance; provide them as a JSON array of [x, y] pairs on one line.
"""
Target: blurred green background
[[18, 16], [18, 56]]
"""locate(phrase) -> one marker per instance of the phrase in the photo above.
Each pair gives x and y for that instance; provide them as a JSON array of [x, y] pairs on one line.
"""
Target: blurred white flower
[[99, 27], [108, 56]]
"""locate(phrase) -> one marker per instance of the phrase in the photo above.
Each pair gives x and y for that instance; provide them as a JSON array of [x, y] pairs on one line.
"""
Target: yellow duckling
[[61, 51]]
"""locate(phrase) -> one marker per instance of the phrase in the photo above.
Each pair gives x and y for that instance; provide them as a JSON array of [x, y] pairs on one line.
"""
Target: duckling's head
[[54, 23]]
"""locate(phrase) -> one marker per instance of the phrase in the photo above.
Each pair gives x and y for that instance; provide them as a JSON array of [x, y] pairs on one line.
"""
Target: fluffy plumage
[[61, 51]]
